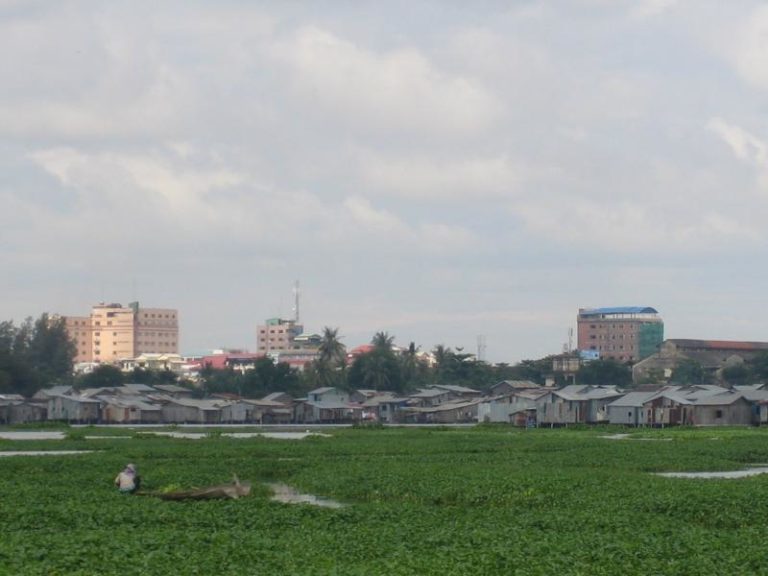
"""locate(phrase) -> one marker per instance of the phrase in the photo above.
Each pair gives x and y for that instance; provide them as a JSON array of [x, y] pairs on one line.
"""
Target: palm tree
[[330, 363], [331, 349], [383, 341]]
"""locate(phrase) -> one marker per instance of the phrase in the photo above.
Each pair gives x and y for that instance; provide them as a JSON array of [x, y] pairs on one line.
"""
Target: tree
[[328, 369], [331, 349], [604, 372], [688, 371], [378, 369], [736, 375], [533, 370], [414, 372], [51, 350], [759, 366], [103, 376], [383, 341], [34, 354]]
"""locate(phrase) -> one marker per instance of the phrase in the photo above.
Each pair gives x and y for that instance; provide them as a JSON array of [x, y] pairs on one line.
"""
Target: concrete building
[[285, 341], [624, 333], [278, 335], [114, 332], [711, 355]]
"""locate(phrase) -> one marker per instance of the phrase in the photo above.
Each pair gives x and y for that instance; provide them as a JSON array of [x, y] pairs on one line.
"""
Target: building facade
[[114, 332], [277, 335], [711, 355], [625, 333]]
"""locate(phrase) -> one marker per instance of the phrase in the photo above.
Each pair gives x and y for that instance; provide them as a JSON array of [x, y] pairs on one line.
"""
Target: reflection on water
[[286, 494], [44, 452], [728, 474]]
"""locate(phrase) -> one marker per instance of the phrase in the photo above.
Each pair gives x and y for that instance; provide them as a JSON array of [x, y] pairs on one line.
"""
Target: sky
[[438, 170]]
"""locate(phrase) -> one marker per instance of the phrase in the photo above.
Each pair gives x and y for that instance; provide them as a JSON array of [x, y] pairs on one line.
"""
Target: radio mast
[[481, 348], [296, 302]]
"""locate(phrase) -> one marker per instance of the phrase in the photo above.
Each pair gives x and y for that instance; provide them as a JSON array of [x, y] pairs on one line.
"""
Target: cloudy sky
[[438, 170]]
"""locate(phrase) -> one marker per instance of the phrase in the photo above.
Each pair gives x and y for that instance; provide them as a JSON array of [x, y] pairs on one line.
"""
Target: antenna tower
[[296, 302], [481, 348]]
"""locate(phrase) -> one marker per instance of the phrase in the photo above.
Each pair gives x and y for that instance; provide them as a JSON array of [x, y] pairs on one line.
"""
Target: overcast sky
[[437, 170]]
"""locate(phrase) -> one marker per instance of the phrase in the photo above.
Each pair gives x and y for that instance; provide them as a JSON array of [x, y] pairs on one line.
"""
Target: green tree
[[604, 372], [736, 375], [103, 376], [533, 370], [331, 350], [34, 354], [378, 369], [688, 371], [759, 367], [414, 372], [51, 350], [328, 369]]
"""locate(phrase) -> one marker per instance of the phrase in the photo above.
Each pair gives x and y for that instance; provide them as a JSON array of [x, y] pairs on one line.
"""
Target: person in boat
[[128, 481]]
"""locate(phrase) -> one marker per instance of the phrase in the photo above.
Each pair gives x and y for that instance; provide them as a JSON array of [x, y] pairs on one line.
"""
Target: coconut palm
[[329, 366], [331, 349]]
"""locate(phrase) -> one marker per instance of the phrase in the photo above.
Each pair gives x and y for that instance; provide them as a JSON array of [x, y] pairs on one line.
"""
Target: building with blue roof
[[621, 333]]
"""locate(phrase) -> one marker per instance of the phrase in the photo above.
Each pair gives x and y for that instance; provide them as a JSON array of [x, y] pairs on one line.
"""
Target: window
[[718, 413]]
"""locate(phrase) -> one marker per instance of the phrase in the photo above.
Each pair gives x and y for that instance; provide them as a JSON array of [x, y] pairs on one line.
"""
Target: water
[[272, 435], [725, 474], [30, 435], [288, 495], [44, 453]]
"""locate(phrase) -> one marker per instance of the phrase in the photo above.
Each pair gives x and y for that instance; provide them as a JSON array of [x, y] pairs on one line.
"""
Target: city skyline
[[438, 171]]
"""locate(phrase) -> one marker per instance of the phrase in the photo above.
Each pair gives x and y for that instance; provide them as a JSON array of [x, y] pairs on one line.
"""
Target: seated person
[[128, 481]]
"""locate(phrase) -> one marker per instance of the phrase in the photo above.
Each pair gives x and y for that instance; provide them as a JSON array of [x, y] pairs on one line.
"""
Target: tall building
[[114, 332], [278, 335], [623, 333]]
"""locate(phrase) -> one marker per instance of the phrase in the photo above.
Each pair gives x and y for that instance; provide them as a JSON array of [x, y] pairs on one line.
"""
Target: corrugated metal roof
[[429, 393], [585, 392], [719, 399], [458, 389], [632, 399], [333, 405], [443, 407]]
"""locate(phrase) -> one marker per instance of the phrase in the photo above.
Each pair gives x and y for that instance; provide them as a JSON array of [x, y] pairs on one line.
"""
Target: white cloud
[[379, 221], [651, 8], [745, 146], [639, 228], [399, 90], [176, 189], [431, 177], [749, 48]]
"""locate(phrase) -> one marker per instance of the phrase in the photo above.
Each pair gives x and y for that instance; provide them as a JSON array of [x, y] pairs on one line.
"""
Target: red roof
[[362, 349], [721, 344]]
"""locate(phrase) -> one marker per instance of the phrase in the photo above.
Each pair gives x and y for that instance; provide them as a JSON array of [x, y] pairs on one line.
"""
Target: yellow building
[[114, 332]]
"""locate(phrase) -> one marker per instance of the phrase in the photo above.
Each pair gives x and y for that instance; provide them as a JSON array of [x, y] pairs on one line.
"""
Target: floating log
[[234, 490]]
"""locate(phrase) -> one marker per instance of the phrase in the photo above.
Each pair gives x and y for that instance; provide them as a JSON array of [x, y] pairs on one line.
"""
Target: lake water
[[725, 474], [288, 495]]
